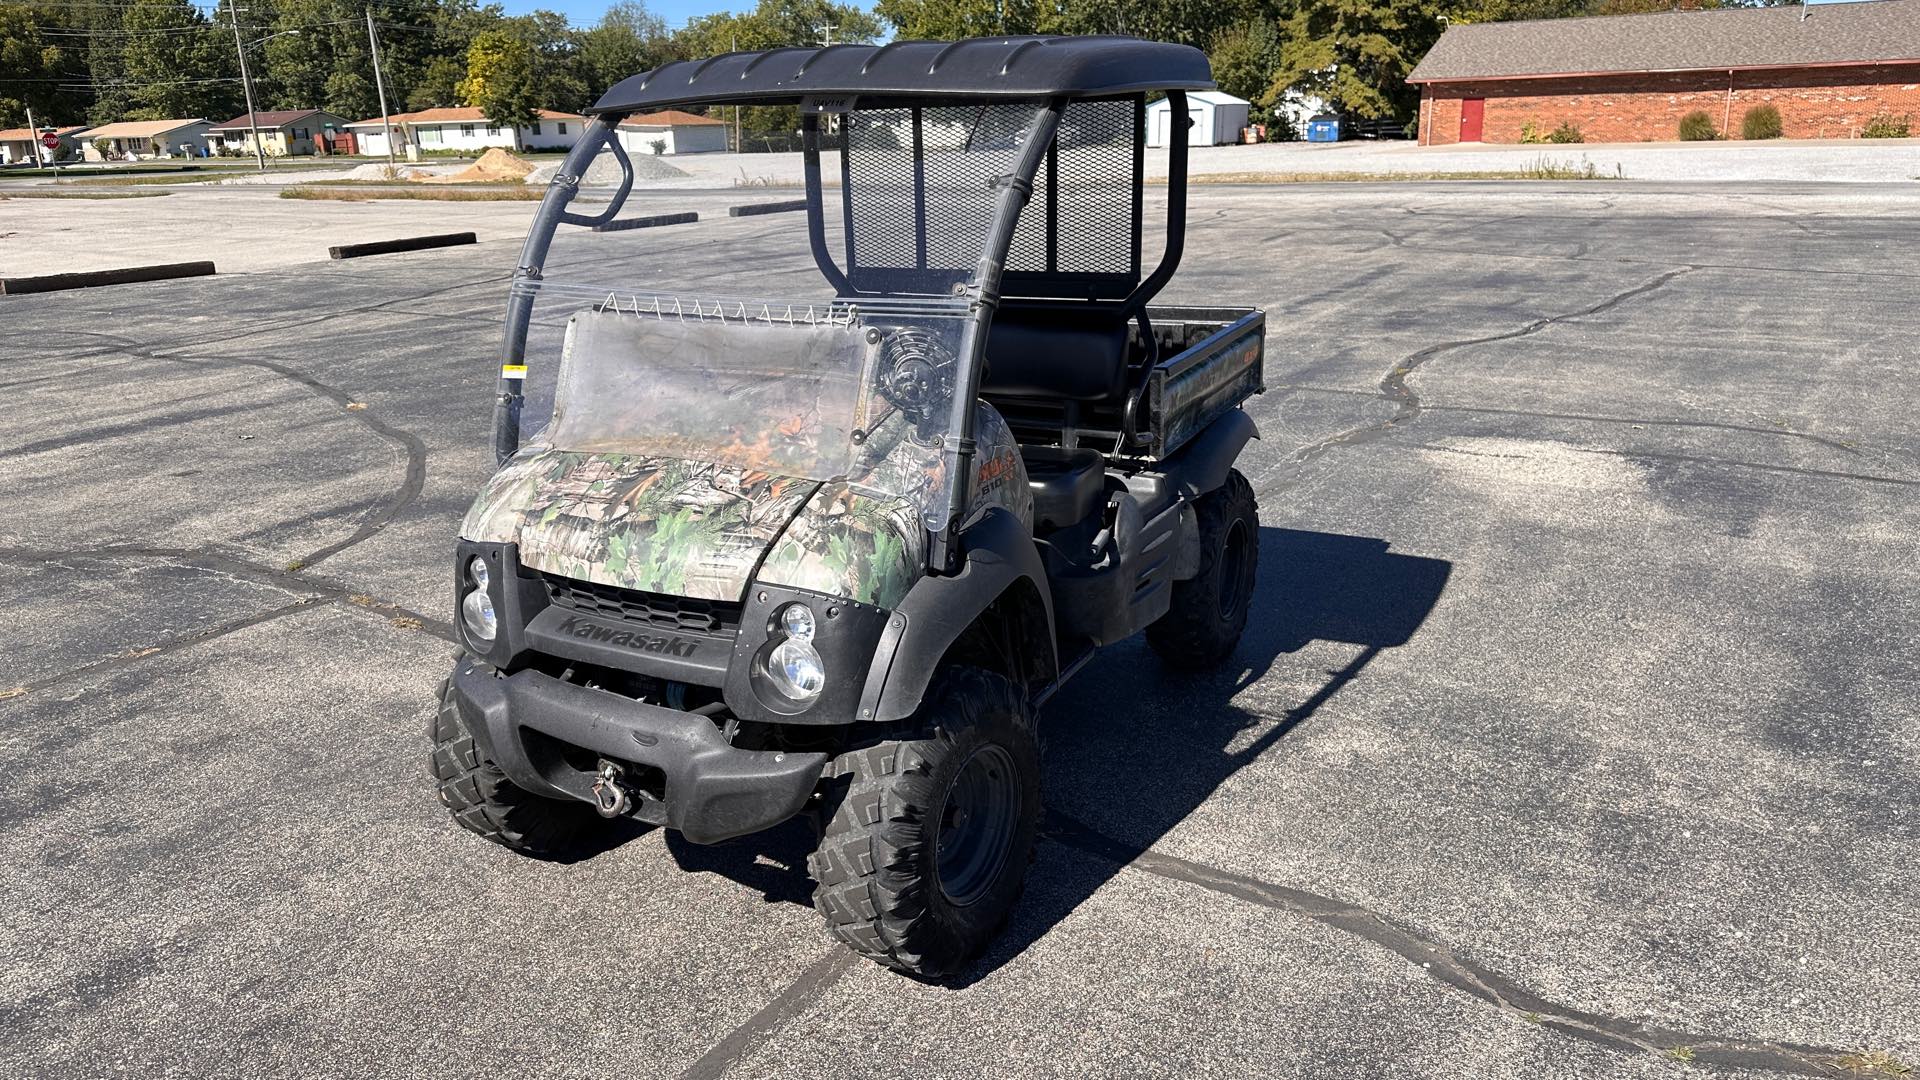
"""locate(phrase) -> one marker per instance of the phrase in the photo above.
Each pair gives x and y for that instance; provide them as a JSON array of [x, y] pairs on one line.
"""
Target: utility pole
[[826, 33], [380, 84], [246, 86], [739, 146]]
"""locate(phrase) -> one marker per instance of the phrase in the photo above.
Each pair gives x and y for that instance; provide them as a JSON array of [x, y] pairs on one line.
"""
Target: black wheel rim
[[976, 825], [1233, 570]]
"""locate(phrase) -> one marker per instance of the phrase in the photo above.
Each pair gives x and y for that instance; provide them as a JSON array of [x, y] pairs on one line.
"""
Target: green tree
[[36, 64], [1356, 54], [177, 64], [1246, 60], [626, 41], [940, 20], [500, 79], [438, 87]]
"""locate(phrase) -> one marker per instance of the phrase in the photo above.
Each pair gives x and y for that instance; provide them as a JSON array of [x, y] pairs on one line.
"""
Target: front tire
[[1208, 612], [926, 852], [483, 801]]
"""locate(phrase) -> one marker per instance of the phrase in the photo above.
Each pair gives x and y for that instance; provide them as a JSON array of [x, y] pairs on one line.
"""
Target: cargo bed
[[1210, 360]]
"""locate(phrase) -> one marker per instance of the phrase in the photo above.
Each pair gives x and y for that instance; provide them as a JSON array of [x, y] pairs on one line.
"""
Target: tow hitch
[[612, 795]]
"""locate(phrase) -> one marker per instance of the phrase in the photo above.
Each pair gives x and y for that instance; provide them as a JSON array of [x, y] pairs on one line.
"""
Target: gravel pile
[[605, 171], [379, 171]]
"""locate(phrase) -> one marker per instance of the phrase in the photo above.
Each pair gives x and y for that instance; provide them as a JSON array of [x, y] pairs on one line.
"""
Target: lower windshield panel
[[859, 392]]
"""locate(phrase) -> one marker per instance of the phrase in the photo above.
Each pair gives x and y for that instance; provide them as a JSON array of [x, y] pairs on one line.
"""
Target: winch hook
[[612, 797]]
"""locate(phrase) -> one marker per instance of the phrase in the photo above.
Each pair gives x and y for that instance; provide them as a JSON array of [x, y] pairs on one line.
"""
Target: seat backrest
[[1076, 353]]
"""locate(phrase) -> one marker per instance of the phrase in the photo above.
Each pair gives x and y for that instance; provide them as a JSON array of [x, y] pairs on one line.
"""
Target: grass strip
[[336, 193]]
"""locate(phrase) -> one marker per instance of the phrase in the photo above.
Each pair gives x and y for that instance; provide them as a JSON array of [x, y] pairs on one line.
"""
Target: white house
[[677, 132], [467, 129], [19, 144], [1217, 118], [143, 139]]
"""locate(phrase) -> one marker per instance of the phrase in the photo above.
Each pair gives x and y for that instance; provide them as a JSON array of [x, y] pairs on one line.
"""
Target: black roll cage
[[982, 291]]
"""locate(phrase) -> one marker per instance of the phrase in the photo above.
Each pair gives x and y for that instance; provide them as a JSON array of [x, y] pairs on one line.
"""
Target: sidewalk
[[1859, 160]]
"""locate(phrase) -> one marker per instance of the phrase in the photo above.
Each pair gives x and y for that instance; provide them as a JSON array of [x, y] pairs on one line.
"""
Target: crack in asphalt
[[169, 645], [1841, 445], [799, 993], [412, 447], [311, 591], [1448, 968], [1394, 388], [1698, 459]]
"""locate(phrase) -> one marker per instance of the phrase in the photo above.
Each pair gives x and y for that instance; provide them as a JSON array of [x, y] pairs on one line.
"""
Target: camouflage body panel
[[1184, 404], [855, 541], [650, 523]]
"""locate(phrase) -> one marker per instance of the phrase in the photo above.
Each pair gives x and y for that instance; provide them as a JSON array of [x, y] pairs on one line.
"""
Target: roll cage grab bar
[[982, 291]]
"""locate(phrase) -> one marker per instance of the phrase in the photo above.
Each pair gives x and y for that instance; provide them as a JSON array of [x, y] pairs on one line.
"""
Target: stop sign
[[50, 141]]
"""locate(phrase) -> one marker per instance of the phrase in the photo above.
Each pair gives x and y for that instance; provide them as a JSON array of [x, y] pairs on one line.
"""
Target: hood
[[654, 524]]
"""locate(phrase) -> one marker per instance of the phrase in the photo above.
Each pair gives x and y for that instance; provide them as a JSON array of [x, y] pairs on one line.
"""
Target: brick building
[[1828, 68]]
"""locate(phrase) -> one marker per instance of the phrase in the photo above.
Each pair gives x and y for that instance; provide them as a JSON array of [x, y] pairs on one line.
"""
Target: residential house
[[467, 129], [283, 132], [1828, 69], [132, 140], [21, 145], [677, 132]]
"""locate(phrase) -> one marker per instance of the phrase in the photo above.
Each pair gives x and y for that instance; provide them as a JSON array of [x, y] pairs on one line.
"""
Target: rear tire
[[926, 853], [1208, 612], [483, 801]]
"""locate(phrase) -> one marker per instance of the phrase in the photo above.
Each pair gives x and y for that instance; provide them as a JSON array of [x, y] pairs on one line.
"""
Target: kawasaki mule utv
[[748, 558]]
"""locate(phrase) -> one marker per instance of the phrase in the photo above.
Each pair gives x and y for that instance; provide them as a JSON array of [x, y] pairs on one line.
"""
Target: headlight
[[797, 621], [477, 612], [477, 570], [795, 669]]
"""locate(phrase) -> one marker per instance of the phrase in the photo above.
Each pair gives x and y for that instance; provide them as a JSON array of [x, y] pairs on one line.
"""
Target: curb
[[648, 222], [766, 208], [93, 278], [413, 243]]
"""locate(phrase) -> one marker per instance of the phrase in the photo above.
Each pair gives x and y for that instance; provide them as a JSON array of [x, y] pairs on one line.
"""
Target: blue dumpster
[[1323, 129]]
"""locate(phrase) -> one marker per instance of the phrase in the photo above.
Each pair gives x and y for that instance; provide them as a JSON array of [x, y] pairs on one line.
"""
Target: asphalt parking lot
[[1577, 733]]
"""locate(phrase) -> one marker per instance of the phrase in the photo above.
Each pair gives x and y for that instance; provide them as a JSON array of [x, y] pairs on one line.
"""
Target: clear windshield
[[641, 339], [822, 390]]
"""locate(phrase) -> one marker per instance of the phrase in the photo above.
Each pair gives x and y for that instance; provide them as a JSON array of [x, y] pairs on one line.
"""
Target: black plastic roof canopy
[[1003, 67]]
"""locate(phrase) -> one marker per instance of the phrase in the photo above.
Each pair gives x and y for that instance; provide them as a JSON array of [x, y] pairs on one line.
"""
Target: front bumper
[[711, 790]]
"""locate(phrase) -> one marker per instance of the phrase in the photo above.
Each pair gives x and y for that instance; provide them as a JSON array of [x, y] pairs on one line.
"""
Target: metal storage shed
[[1217, 118]]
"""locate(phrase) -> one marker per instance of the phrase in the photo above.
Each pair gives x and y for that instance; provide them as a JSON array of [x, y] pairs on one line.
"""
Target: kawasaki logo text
[[629, 639]]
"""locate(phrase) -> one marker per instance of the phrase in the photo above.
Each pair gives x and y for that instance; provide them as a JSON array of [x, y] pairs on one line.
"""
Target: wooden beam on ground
[[412, 243], [88, 279]]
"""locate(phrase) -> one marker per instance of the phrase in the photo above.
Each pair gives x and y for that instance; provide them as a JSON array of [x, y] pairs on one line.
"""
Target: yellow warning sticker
[[513, 371]]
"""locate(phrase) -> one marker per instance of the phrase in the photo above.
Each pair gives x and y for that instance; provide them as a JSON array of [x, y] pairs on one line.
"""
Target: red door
[[1473, 110]]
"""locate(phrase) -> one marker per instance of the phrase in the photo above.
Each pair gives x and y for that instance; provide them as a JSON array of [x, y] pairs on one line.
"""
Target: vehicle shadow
[[1133, 747]]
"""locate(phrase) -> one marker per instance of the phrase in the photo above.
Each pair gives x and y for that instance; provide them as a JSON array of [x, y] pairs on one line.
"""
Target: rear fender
[[1202, 465], [998, 554]]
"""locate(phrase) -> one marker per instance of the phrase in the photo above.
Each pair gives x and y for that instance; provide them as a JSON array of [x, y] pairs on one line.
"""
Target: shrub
[[1888, 126], [1697, 126], [659, 147], [1530, 133], [1566, 133], [1761, 122]]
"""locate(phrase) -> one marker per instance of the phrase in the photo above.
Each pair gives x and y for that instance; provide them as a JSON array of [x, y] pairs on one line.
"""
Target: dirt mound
[[495, 165]]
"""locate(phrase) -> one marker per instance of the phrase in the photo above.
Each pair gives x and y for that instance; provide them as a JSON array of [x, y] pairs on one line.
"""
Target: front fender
[[997, 552]]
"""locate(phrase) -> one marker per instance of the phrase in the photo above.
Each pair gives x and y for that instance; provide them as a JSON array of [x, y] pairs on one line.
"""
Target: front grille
[[653, 609]]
